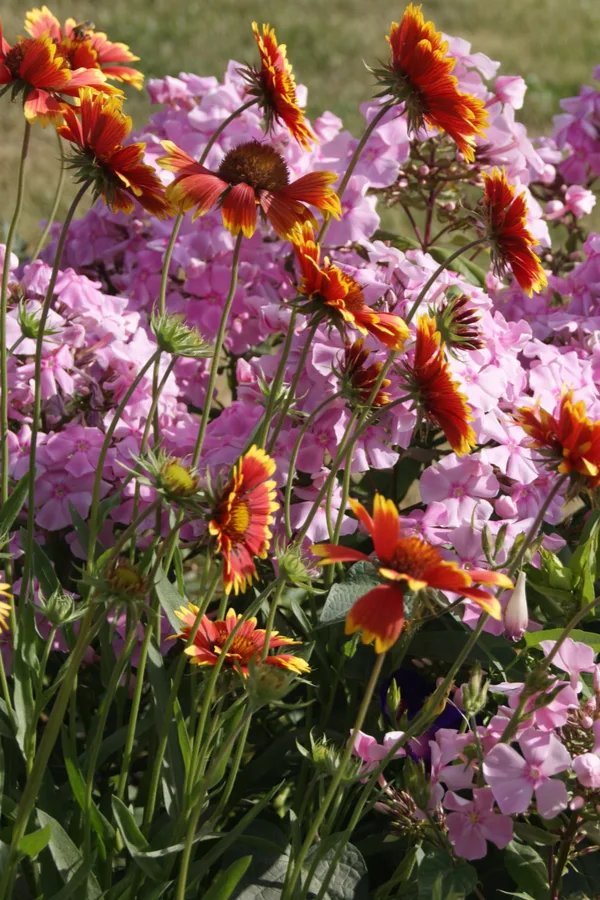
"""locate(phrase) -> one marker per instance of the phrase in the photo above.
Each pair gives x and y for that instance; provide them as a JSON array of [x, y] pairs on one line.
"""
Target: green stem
[[354, 160], [220, 339], [271, 618], [221, 128], [291, 394], [233, 772], [37, 396], [289, 888], [441, 268], [93, 520], [4, 310], [55, 204], [563, 856], [538, 521], [261, 439], [292, 467]]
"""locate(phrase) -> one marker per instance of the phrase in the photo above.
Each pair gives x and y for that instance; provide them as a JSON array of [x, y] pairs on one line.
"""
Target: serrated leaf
[[358, 581], [34, 842], [67, 857], [11, 509], [527, 869]]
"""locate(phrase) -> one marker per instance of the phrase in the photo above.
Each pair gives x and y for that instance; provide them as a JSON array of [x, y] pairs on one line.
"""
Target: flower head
[[570, 441], [83, 47], [359, 378], [275, 87], [248, 643], [335, 293], [98, 129], [4, 607], [241, 518], [435, 391], [511, 241], [419, 75], [474, 822], [457, 324], [251, 175], [403, 562], [38, 71]]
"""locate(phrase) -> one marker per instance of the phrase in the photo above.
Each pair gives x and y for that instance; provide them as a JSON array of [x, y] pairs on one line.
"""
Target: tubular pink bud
[[516, 615]]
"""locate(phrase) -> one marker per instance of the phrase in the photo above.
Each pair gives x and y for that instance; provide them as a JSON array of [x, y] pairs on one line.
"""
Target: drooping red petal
[[332, 553], [379, 615], [239, 210]]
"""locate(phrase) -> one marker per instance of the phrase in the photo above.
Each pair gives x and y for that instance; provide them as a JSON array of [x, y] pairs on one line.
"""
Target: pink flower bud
[[579, 200], [516, 615], [511, 89], [597, 678], [554, 209]]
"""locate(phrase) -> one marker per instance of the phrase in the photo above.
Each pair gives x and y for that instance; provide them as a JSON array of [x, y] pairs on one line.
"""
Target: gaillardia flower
[[84, 47], [570, 441], [336, 294], [419, 75], [403, 562], [241, 518], [38, 71], [457, 324], [275, 87], [4, 607], [248, 644], [251, 175], [436, 394], [119, 174], [510, 239], [359, 379]]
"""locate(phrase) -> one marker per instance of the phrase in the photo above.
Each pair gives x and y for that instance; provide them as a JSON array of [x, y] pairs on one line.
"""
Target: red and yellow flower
[[510, 239], [241, 518], [84, 47], [4, 607], [251, 176], [419, 75], [359, 378], [248, 644], [403, 562], [97, 129], [275, 87], [334, 292], [570, 441], [436, 394], [38, 71]]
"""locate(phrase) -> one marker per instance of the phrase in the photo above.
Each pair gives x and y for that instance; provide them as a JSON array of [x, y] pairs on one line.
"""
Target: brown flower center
[[14, 58], [258, 165], [414, 557]]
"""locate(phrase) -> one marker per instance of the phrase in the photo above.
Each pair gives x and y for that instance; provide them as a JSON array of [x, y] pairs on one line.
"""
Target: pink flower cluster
[[478, 783]]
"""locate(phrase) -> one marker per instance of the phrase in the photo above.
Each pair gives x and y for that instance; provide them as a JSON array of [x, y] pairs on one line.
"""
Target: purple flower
[[474, 822], [514, 779]]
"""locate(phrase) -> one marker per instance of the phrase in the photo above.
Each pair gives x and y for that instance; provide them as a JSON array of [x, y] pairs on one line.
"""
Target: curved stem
[[37, 397], [563, 856], [291, 395], [219, 341], [93, 521], [55, 204], [441, 268], [277, 381], [292, 466], [354, 160], [288, 891], [12, 230], [221, 128]]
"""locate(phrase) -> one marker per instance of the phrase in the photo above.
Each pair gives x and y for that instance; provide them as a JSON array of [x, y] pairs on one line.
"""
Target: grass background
[[551, 43]]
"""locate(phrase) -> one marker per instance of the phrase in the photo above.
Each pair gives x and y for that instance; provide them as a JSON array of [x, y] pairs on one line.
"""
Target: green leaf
[[34, 842], [227, 881], [527, 869], [67, 857], [82, 531], [99, 823], [474, 274], [178, 751], [530, 834], [358, 581], [44, 571], [534, 638], [584, 561], [396, 240], [170, 599], [11, 509], [441, 877], [135, 841]]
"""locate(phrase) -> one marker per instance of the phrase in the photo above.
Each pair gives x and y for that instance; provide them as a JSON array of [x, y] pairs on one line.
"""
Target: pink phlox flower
[[511, 456], [55, 490], [472, 823], [510, 89], [55, 374], [463, 485], [371, 752], [515, 779], [483, 383], [447, 766], [546, 718], [359, 218], [76, 450], [572, 657], [319, 528]]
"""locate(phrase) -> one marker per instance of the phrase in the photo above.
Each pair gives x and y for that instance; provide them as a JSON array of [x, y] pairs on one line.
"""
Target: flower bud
[[58, 608], [267, 684], [516, 614], [393, 700], [177, 479], [125, 581], [416, 782], [474, 692], [29, 320], [174, 336]]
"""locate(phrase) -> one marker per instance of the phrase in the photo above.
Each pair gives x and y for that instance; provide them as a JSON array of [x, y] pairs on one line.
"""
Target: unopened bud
[[516, 614], [267, 684], [416, 782], [174, 336], [393, 700], [474, 692], [58, 608]]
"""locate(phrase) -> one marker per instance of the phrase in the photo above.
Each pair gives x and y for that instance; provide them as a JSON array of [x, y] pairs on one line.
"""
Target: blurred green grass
[[552, 44]]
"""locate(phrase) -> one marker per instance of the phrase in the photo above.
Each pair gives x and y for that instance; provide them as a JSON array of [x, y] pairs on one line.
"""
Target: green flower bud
[[174, 336]]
